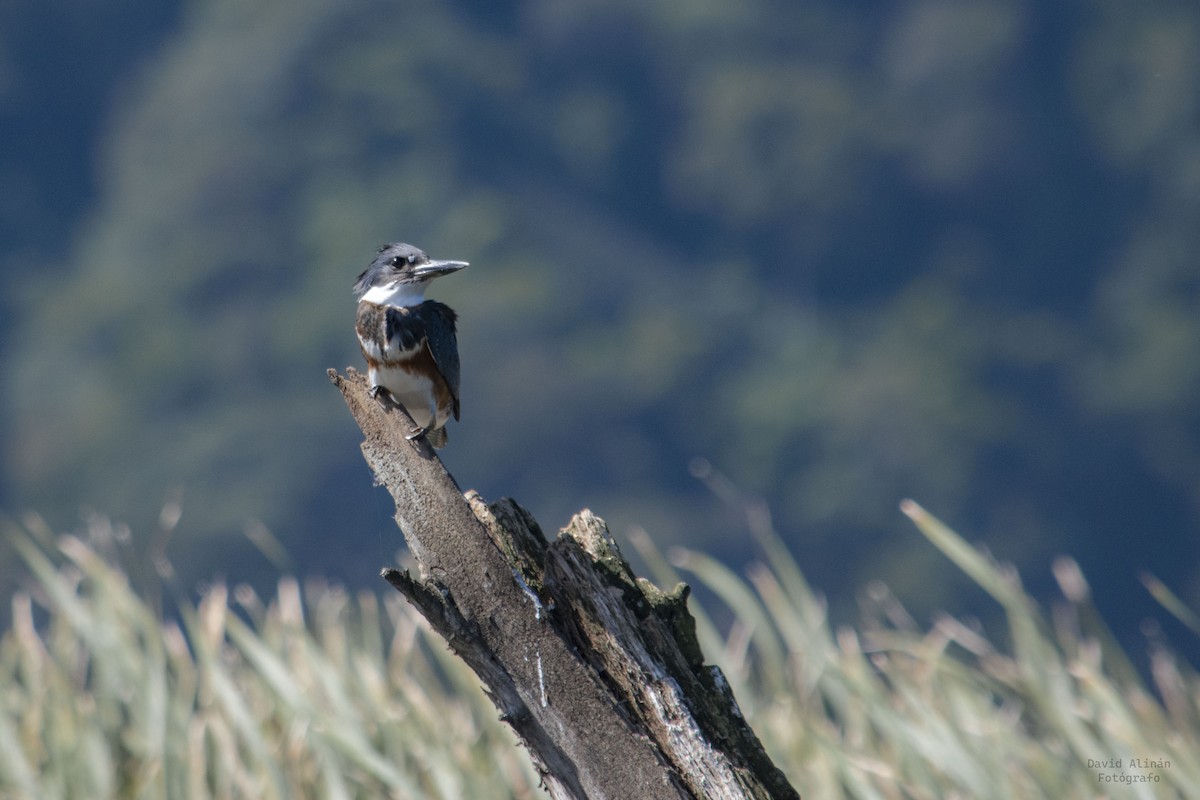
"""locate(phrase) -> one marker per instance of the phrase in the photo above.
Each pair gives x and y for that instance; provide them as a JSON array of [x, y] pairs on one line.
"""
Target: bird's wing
[[436, 320]]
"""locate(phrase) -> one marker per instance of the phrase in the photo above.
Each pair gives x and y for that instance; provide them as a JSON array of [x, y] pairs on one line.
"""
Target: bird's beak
[[435, 269]]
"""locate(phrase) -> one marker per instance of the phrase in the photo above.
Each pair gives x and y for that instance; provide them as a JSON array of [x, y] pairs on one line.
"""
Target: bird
[[410, 343]]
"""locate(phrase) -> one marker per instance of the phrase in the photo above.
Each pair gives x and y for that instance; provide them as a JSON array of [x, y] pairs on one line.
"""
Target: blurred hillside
[[946, 250]]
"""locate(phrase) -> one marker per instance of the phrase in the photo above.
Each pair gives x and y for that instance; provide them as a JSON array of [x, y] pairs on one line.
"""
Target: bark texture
[[597, 671]]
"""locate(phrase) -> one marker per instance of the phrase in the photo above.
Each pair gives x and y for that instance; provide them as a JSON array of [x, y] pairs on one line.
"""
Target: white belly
[[414, 392]]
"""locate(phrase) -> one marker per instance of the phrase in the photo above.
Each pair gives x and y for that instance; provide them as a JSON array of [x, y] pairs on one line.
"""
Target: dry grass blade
[[313, 693]]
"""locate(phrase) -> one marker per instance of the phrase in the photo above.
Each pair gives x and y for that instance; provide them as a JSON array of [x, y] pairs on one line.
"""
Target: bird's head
[[400, 268]]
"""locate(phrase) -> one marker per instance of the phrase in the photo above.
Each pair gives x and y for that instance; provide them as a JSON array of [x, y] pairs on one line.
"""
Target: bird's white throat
[[396, 294]]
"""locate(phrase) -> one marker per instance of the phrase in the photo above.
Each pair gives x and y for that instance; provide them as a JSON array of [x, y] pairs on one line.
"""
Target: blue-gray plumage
[[409, 342]]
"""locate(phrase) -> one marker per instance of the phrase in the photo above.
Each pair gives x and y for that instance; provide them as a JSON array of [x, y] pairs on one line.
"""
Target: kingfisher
[[409, 342]]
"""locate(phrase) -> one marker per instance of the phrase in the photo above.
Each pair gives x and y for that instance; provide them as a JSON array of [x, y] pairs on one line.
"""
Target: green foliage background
[[847, 253]]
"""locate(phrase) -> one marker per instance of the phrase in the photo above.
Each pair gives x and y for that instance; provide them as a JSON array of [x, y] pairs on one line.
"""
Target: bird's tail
[[437, 437]]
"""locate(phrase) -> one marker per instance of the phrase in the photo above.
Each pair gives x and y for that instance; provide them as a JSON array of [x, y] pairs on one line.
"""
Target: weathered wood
[[599, 673]]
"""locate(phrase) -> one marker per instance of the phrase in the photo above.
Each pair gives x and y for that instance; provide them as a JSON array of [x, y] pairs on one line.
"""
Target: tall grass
[[312, 693], [316, 693]]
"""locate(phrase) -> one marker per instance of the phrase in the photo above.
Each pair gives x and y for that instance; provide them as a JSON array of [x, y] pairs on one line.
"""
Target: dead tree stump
[[597, 671]]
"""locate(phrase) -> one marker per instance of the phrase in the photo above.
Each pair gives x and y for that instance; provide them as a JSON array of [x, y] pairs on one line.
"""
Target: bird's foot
[[381, 395], [386, 399]]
